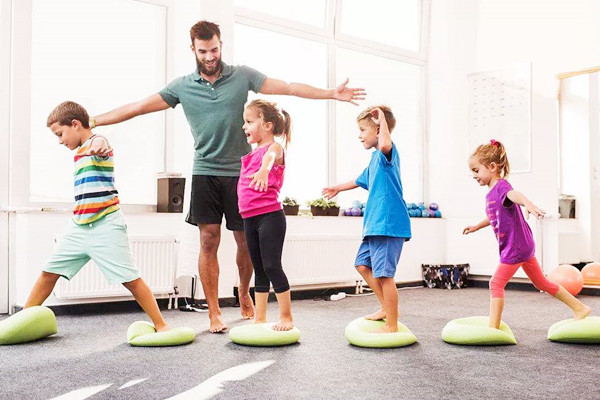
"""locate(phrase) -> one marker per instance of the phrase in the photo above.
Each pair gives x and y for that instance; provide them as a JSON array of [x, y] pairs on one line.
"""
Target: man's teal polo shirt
[[215, 114]]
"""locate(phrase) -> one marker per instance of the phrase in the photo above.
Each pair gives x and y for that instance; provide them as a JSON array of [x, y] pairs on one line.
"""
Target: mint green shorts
[[105, 242]]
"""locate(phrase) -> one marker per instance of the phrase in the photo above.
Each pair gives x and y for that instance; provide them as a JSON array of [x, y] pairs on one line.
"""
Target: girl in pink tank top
[[261, 178], [489, 166]]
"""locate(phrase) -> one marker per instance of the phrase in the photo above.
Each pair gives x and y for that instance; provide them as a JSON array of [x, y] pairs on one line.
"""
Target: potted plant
[[322, 206], [290, 206]]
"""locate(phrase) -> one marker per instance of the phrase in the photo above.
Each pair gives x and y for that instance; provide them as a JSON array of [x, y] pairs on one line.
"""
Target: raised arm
[[340, 93], [128, 111], [260, 179], [384, 143], [332, 191], [520, 199]]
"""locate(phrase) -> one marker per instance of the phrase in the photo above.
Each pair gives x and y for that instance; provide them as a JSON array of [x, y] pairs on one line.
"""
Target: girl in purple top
[[489, 165], [261, 178]]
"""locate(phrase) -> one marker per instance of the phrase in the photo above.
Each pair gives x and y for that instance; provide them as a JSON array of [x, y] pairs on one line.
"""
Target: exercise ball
[[591, 274], [568, 277]]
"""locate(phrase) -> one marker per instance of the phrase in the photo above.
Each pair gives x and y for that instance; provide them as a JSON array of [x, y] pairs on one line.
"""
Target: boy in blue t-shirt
[[386, 223]]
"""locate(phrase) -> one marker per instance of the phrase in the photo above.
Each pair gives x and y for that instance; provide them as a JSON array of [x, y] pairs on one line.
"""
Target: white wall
[[466, 36], [34, 233], [479, 35]]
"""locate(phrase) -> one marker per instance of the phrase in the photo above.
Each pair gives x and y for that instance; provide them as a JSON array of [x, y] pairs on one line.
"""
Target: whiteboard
[[500, 108]]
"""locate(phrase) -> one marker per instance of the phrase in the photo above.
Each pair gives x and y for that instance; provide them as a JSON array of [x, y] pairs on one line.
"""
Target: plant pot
[[291, 210], [331, 211]]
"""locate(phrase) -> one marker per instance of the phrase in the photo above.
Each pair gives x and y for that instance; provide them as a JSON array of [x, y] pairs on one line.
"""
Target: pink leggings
[[531, 267]]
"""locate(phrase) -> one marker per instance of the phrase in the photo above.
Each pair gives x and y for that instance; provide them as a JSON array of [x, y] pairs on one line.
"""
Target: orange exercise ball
[[568, 277], [591, 274]]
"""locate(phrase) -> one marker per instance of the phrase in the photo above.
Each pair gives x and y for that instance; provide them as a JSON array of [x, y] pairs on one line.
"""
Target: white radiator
[[154, 256], [315, 259]]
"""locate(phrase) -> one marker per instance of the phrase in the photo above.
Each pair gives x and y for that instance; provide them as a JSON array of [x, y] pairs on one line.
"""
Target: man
[[213, 99]]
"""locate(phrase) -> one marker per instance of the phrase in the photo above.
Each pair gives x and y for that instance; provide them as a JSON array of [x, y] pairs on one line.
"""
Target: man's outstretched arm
[[128, 111], [341, 93]]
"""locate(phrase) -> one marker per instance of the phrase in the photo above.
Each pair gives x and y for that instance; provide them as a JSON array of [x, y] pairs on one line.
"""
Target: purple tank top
[[506, 219]]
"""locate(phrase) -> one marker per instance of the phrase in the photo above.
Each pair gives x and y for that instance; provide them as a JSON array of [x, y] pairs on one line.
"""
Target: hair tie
[[494, 143]]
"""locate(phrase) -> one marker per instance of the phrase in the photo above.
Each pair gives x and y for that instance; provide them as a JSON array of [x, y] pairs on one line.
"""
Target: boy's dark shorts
[[211, 198]]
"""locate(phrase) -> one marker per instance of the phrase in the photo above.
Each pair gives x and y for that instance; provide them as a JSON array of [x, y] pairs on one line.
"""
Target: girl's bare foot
[[260, 320], [582, 313], [162, 328], [376, 316], [284, 324]]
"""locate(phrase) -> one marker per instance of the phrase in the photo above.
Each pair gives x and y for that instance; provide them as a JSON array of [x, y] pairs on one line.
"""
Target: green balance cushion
[[30, 324], [585, 330], [142, 333], [360, 333], [476, 332], [263, 335]]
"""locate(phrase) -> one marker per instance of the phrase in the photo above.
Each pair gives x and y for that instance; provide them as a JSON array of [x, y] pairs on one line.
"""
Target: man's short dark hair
[[204, 30]]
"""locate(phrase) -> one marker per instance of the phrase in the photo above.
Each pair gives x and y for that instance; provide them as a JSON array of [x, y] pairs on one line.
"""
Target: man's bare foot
[[376, 316], [217, 324], [386, 329], [246, 306], [582, 313], [284, 324]]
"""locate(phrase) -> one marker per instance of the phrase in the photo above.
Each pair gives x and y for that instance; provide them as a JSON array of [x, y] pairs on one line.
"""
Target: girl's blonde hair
[[282, 123], [493, 152]]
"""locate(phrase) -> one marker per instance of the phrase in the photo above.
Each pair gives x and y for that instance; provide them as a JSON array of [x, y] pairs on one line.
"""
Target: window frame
[[20, 107], [333, 39]]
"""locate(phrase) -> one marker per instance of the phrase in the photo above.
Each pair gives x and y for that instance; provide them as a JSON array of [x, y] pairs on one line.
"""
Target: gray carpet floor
[[90, 351]]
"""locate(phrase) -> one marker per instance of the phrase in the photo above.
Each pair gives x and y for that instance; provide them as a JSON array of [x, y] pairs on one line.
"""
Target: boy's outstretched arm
[[384, 143], [128, 111], [520, 199], [332, 191], [475, 228], [341, 92]]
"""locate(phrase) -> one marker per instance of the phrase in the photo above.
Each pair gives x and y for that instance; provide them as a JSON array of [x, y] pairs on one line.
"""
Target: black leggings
[[265, 234]]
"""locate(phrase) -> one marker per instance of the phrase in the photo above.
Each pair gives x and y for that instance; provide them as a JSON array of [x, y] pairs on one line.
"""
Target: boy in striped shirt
[[97, 230]]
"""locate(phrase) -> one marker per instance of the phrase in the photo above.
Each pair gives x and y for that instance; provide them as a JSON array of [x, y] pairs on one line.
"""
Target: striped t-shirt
[[95, 192]]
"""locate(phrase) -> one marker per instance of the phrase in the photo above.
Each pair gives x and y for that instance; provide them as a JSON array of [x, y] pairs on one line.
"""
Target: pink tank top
[[252, 202]]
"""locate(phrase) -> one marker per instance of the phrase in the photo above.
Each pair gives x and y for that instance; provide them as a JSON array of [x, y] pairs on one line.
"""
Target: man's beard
[[208, 71]]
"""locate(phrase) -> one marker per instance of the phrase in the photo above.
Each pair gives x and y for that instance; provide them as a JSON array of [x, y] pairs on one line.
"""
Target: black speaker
[[170, 195]]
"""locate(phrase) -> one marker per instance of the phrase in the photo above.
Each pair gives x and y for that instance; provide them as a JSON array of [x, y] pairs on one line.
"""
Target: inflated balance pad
[[142, 333], [585, 330], [263, 335], [30, 324], [474, 331], [360, 333]]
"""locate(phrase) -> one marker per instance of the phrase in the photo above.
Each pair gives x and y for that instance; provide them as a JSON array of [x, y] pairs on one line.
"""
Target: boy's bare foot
[[217, 324], [386, 329], [162, 328], [376, 316], [260, 321], [582, 313], [284, 324], [247, 306]]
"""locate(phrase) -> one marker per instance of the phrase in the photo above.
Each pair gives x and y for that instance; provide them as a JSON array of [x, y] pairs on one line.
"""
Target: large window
[[307, 155], [87, 52], [379, 47]]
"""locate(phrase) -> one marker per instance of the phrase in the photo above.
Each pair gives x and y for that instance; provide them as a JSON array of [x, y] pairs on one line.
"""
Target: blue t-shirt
[[386, 213]]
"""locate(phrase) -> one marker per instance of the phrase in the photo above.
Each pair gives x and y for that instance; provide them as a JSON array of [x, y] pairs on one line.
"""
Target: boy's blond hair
[[66, 112], [387, 112]]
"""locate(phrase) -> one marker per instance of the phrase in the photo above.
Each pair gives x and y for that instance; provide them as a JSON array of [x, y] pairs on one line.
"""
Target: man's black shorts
[[213, 196]]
